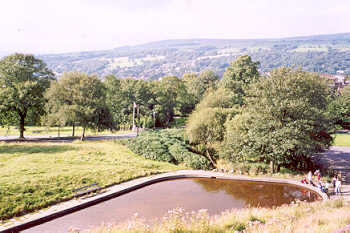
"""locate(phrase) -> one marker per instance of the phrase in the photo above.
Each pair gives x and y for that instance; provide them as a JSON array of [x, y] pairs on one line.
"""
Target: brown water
[[153, 201]]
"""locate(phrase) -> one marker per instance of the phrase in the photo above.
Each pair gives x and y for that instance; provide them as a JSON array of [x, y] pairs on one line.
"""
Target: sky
[[58, 26]]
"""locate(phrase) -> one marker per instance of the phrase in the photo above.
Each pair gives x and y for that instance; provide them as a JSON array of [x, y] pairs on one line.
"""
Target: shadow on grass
[[32, 149]]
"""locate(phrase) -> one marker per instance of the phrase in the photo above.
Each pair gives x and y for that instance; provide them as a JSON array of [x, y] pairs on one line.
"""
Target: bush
[[167, 145], [151, 146], [197, 161], [249, 168]]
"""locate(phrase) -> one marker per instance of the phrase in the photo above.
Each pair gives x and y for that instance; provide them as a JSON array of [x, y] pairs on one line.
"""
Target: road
[[338, 159]]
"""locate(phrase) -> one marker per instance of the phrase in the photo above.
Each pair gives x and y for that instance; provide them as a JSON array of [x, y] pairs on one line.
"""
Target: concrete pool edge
[[120, 189]]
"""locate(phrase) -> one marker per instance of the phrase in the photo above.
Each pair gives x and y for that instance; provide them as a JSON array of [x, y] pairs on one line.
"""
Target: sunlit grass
[[301, 217], [54, 131], [341, 139], [36, 175]]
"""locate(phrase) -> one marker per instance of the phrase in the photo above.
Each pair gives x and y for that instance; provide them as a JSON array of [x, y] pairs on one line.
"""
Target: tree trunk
[[211, 159], [83, 135], [21, 126], [272, 166], [58, 131], [278, 167], [73, 132]]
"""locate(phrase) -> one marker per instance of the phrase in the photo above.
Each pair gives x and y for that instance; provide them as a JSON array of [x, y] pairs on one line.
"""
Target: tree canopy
[[206, 125], [78, 98], [340, 108], [284, 121], [241, 72], [23, 81]]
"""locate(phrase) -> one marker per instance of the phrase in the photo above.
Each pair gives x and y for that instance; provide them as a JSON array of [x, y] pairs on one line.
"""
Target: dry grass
[[300, 217]]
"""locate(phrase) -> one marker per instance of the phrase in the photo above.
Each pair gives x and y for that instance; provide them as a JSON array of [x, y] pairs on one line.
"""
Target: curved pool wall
[[118, 190]]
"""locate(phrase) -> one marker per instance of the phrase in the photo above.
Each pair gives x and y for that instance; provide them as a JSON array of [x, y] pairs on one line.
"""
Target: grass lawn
[[43, 130], [36, 175], [341, 139]]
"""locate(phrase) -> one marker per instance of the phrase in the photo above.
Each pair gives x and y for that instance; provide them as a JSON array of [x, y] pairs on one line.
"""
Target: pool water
[[191, 194]]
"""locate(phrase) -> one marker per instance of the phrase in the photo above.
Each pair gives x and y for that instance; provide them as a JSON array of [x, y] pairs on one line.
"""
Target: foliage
[[78, 98], [284, 122], [170, 98], [37, 175], [206, 125], [242, 72], [23, 81], [157, 101], [178, 122], [198, 85], [120, 96], [167, 145], [339, 108]]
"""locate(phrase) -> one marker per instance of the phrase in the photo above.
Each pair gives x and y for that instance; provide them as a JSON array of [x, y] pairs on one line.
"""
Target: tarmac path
[[337, 158]]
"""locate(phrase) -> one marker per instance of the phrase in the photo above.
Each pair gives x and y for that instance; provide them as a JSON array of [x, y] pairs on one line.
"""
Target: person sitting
[[322, 188], [309, 178], [327, 187], [318, 173], [304, 181]]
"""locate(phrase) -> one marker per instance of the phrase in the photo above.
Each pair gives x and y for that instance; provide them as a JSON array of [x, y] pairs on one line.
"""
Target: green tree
[[23, 81], [122, 93], [168, 98], [339, 108], [78, 98], [206, 125], [198, 85], [284, 121], [240, 74]]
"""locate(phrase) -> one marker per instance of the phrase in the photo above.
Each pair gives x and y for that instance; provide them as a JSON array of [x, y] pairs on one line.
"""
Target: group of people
[[336, 182]]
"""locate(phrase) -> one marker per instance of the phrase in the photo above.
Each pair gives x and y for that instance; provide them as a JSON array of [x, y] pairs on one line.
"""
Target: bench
[[37, 131], [86, 189]]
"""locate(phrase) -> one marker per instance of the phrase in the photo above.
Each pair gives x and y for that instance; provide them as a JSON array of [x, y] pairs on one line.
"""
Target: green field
[[341, 139], [53, 131], [36, 175]]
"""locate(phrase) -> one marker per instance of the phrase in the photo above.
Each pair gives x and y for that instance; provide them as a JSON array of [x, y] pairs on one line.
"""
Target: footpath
[[337, 158]]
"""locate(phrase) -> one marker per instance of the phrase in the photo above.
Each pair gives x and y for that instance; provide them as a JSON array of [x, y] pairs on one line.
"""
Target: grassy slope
[[341, 139], [35, 175], [300, 217]]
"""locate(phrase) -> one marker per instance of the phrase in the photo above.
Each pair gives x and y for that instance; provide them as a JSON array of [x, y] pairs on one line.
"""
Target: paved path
[[338, 159]]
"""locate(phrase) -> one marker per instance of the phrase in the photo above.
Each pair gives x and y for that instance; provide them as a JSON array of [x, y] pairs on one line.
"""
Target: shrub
[[151, 147], [167, 145]]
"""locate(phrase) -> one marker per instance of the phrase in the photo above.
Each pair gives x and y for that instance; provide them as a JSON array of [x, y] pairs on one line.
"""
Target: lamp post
[[133, 117], [154, 118], [138, 121]]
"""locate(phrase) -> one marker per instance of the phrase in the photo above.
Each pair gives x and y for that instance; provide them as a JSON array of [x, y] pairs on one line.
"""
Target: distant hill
[[320, 53]]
